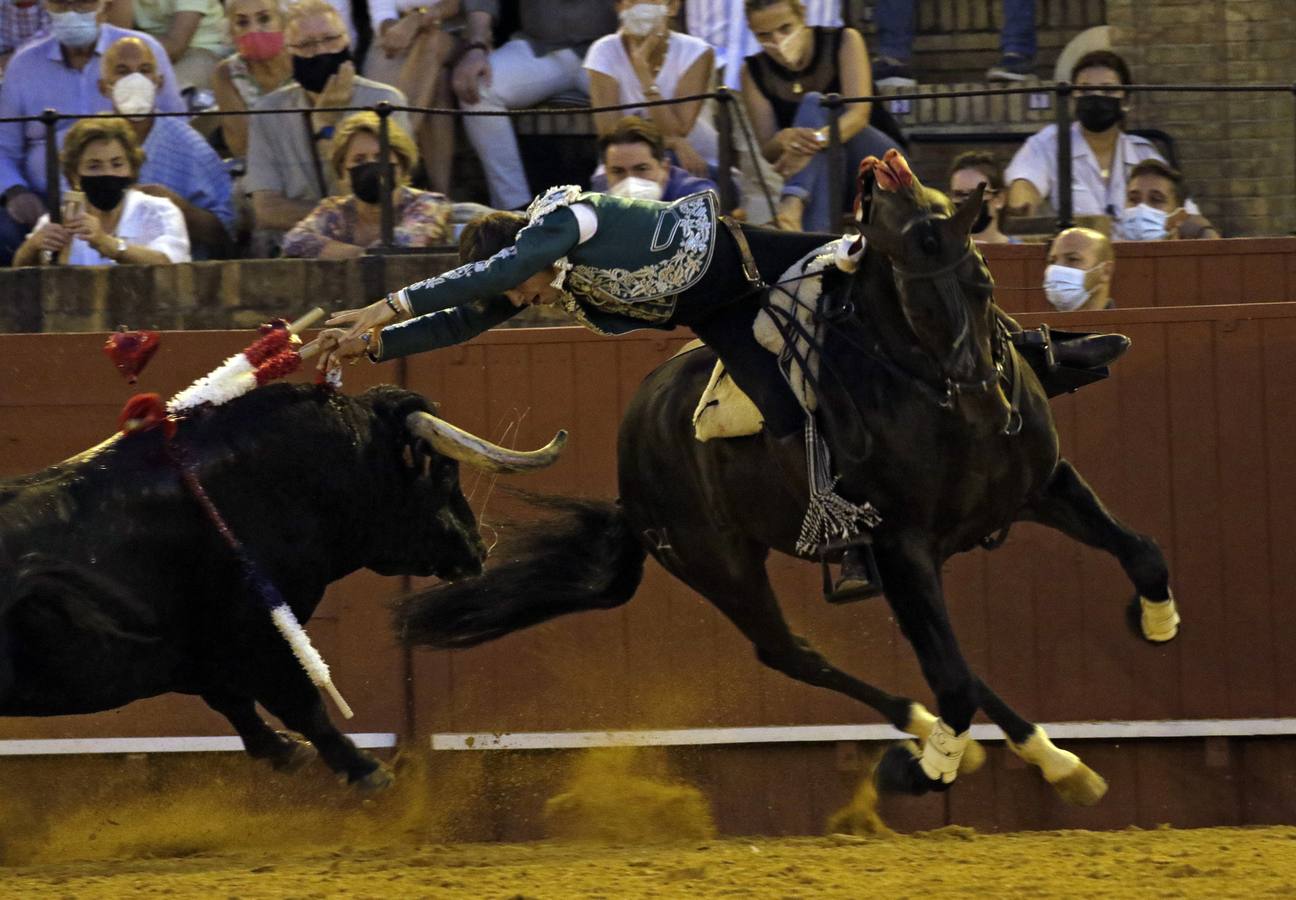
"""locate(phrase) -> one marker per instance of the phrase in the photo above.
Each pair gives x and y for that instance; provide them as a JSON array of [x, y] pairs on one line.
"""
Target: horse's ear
[[966, 215]]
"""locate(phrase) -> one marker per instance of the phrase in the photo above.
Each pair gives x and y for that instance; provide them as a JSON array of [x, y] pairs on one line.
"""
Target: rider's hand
[[472, 73], [355, 322], [338, 346]]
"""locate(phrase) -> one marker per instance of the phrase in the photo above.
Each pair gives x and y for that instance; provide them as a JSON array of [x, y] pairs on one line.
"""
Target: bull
[[115, 586]]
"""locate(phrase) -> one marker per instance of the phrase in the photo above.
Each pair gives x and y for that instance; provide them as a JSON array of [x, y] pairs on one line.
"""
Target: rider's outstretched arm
[[443, 328]]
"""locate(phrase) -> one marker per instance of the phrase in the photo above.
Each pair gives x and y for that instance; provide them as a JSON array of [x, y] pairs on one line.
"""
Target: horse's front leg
[[911, 573], [1071, 506]]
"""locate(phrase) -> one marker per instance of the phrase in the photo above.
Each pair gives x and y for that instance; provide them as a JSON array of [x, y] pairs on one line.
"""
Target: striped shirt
[[177, 157]]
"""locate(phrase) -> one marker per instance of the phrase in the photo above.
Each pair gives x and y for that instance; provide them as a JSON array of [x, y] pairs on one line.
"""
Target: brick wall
[[1236, 150]]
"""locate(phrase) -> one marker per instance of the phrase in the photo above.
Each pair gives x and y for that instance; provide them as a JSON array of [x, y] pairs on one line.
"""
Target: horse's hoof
[[974, 757], [900, 772], [1154, 621], [296, 754], [1083, 787], [920, 725], [377, 781]]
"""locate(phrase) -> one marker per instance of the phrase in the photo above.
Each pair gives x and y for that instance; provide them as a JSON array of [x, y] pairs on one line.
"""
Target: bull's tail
[[584, 557]]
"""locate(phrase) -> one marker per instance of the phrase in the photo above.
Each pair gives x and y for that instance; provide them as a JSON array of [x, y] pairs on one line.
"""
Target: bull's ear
[[966, 215]]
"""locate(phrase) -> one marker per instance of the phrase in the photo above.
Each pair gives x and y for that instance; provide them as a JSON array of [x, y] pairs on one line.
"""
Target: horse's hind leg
[[1071, 506], [284, 753]]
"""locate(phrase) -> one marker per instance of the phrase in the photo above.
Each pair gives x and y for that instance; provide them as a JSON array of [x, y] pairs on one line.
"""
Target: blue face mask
[[1142, 223], [75, 29]]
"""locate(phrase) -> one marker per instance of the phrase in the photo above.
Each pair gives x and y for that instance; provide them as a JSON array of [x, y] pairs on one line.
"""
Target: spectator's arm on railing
[[229, 100], [856, 81]]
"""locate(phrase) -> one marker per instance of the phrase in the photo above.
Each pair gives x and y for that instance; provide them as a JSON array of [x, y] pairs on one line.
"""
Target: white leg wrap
[[1038, 750], [942, 752], [921, 721], [1160, 619]]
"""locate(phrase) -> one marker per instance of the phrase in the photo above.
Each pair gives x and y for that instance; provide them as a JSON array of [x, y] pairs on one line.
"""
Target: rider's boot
[[1090, 351]]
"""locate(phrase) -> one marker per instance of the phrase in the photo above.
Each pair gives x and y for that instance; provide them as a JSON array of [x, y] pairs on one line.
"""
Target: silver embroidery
[[464, 271], [552, 199]]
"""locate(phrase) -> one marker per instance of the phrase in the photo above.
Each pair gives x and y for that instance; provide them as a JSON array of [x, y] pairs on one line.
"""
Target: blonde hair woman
[[342, 227], [259, 65]]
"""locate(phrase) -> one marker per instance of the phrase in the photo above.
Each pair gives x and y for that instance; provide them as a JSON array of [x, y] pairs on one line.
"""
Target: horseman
[[617, 265]]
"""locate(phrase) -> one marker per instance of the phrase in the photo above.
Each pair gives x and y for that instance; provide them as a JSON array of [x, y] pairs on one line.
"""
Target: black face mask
[[366, 181], [313, 72], [1098, 113], [104, 192], [983, 221]]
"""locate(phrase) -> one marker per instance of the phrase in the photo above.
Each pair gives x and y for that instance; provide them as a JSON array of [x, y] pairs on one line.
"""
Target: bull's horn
[[478, 452]]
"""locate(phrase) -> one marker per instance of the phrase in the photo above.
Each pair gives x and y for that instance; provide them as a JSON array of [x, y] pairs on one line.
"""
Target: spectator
[[541, 60], [723, 25], [1102, 154], [895, 21], [646, 60], [259, 65], [413, 44], [969, 170], [635, 165], [342, 227], [117, 224], [193, 32], [1080, 269], [20, 21], [1155, 208], [286, 174], [179, 164], [60, 71], [781, 89]]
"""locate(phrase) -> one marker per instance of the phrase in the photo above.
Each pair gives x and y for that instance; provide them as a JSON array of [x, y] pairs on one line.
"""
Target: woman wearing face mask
[[259, 65], [342, 227], [781, 88], [118, 224], [646, 61]]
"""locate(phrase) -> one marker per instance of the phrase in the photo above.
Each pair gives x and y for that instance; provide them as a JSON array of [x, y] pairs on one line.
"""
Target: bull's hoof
[[1083, 787], [377, 781], [295, 754], [900, 772]]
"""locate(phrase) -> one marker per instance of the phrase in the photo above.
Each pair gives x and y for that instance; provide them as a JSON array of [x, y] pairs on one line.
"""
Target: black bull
[[114, 585], [918, 403]]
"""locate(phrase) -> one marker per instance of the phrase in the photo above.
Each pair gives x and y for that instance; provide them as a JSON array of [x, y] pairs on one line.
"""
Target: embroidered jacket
[[621, 266]]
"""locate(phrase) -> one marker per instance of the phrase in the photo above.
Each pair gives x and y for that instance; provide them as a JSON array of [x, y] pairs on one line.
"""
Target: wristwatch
[[119, 247]]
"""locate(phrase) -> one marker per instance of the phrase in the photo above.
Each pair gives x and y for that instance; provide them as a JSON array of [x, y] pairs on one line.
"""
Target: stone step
[[1000, 111]]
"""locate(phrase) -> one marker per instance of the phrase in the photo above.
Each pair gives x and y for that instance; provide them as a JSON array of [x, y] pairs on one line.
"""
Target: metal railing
[[835, 104]]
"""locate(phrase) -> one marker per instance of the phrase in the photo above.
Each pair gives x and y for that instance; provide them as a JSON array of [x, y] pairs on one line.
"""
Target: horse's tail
[[585, 557]]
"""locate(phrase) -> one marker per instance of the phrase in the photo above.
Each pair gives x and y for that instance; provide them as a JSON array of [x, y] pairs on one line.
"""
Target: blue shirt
[[679, 184], [37, 78], [178, 157]]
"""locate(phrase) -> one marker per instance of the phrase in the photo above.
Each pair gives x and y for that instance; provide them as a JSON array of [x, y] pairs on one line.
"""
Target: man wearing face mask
[[635, 165], [1102, 154], [1155, 209], [287, 170], [59, 71], [179, 164], [1080, 269]]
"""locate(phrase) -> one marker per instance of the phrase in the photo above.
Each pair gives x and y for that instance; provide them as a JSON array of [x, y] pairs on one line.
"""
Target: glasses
[[70, 5], [960, 196], [316, 44]]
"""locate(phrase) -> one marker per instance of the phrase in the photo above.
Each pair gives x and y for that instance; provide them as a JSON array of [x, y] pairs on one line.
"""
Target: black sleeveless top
[[784, 88]]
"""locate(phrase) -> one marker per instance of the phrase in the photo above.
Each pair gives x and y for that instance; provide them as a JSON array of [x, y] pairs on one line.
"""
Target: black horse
[[931, 416]]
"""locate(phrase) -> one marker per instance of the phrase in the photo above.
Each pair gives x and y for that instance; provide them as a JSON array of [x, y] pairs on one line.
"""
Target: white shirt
[[608, 56], [1091, 194], [146, 221], [723, 25]]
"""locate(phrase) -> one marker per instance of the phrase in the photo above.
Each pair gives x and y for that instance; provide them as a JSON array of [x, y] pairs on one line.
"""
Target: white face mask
[[635, 188], [1142, 223], [788, 48], [134, 94], [1065, 287], [75, 29], [643, 19]]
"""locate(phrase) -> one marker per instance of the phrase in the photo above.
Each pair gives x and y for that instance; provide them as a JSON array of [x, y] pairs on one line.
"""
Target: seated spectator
[[286, 171], [541, 60], [635, 165], [1080, 269], [781, 89], [1156, 209], [193, 33], [20, 21], [117, 223], [179, 164], [643, 61], [414, 42], [895, 20], [1102, 154], [723, 25], [975, 168], [60, 71], [342, 227], [259, 65]]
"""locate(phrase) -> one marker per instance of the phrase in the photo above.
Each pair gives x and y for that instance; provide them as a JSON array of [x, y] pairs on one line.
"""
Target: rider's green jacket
[[622, 265]]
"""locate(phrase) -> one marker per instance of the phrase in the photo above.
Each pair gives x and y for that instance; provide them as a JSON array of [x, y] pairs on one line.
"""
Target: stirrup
[[1037, 338], [844, 591]]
